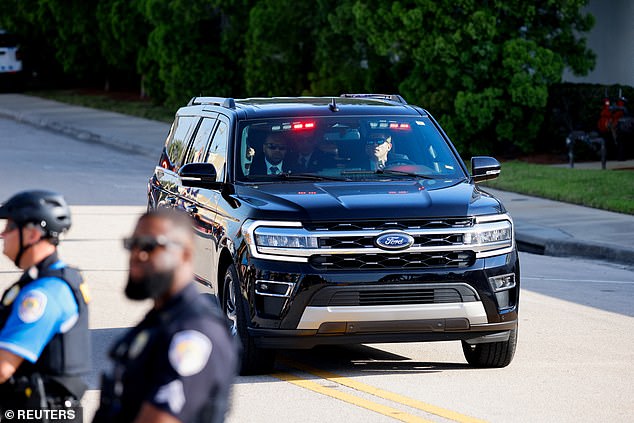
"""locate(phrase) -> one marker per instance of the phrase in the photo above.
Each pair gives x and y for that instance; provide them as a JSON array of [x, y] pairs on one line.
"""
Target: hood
[[406, 199]]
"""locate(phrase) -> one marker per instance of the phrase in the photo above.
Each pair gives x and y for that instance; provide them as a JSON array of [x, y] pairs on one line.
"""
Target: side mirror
[[199, 175], [484, 168]]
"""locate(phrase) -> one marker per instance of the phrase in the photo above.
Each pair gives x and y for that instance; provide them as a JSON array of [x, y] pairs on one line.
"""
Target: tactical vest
[[67, 356], [115, 408]]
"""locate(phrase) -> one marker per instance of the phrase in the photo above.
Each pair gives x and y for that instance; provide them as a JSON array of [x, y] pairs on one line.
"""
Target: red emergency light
[[303, 125], [403, 126]]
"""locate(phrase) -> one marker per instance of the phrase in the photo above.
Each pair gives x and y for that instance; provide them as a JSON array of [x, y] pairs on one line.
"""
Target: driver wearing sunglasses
[[377, 147], [273, 161], [182, 348]]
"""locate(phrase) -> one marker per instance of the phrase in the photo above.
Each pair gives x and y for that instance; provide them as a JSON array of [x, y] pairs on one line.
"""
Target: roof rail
[[227, 102], [392, 97]]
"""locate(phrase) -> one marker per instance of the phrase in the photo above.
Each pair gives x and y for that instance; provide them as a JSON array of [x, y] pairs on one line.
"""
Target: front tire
[[493, 354], [254, 360]]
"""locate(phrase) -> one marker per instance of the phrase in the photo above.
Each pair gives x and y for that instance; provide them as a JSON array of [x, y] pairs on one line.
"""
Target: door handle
[[191, 209]]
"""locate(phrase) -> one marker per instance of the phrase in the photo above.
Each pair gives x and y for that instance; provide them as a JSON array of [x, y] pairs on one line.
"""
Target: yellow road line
[[360, 402], [359, 386]]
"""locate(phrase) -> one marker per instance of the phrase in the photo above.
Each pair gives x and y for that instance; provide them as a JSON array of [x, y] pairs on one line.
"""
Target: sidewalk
[[127, 133], [541, 226]]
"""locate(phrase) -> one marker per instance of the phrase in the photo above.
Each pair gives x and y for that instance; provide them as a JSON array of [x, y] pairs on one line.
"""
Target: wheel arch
[[224, 262]]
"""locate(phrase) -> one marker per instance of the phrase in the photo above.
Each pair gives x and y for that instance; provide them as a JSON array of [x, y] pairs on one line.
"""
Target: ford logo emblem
[[394, 241]]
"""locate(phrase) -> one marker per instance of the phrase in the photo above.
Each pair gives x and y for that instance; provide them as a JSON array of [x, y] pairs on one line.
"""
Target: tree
[[280, 47], [343, 60], [123, 33], [71, 26], [483, 68], [189, 49]]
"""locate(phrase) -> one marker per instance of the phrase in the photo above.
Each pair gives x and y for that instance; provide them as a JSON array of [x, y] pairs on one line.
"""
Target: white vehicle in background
[[10, 60]]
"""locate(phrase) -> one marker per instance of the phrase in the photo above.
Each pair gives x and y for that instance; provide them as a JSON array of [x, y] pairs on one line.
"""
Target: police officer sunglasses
[[147, 243]]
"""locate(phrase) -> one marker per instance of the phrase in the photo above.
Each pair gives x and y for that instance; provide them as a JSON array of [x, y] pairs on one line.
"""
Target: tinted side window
[[197, 150], [177, 141], [217, 154]]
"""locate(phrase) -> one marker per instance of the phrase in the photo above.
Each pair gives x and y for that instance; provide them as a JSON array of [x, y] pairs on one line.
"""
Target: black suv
[[341, 220]]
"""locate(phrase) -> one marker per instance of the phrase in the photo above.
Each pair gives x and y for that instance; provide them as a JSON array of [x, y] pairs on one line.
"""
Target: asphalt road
[[575, 357]]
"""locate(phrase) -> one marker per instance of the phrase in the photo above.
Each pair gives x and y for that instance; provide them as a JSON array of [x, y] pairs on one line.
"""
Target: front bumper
[[384, 332], [321, 308]]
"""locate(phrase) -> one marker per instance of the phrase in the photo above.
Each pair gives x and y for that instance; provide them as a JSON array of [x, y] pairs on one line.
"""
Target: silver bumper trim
[[313, 317]]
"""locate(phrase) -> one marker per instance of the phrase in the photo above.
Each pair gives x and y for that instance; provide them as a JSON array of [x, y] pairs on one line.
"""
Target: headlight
[[278, 240], [283, 241], [489, 232], [490, 237]]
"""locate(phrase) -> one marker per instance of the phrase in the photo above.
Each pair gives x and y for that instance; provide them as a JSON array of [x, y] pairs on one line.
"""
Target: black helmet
[[46, 209]]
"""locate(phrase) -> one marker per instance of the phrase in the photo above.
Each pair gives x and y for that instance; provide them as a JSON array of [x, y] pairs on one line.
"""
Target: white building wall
[[612, 40]]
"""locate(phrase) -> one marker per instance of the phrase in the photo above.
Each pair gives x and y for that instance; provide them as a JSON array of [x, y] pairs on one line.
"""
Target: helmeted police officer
[[179, 362], [44, 336]]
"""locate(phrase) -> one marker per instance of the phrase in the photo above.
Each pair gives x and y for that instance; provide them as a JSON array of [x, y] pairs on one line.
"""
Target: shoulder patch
[[189, 352], [32, 306]]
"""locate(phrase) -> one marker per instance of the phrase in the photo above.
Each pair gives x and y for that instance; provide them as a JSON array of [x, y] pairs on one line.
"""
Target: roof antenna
[[333, 105]]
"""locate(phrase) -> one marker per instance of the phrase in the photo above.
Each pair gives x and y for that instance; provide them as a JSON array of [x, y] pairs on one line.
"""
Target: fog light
[[502, 282], [274, 288]]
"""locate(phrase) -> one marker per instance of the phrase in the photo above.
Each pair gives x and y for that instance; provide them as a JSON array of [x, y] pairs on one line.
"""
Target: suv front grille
[[393, 295], [431, 240], [394, 261], [382, 297]]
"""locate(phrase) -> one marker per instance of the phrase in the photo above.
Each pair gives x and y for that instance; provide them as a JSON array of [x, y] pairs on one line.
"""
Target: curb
[[614, 254], [79, 134], [558, 247]]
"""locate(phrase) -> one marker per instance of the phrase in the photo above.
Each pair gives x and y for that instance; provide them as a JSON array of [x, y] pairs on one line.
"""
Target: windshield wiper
[[309, 176], [403, 173]]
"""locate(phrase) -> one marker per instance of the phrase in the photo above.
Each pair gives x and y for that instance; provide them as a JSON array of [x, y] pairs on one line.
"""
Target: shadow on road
[[366, 359], [344, 359]]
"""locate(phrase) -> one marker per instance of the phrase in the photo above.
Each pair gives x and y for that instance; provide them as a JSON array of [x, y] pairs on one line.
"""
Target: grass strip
[[611, 190]]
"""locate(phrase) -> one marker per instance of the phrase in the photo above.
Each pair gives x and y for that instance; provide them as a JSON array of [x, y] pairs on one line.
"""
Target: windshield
[[346, 148]]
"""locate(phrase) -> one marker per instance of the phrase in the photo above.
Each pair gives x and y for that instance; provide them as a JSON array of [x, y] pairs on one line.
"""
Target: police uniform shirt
[[41, 309], [176, 359]]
